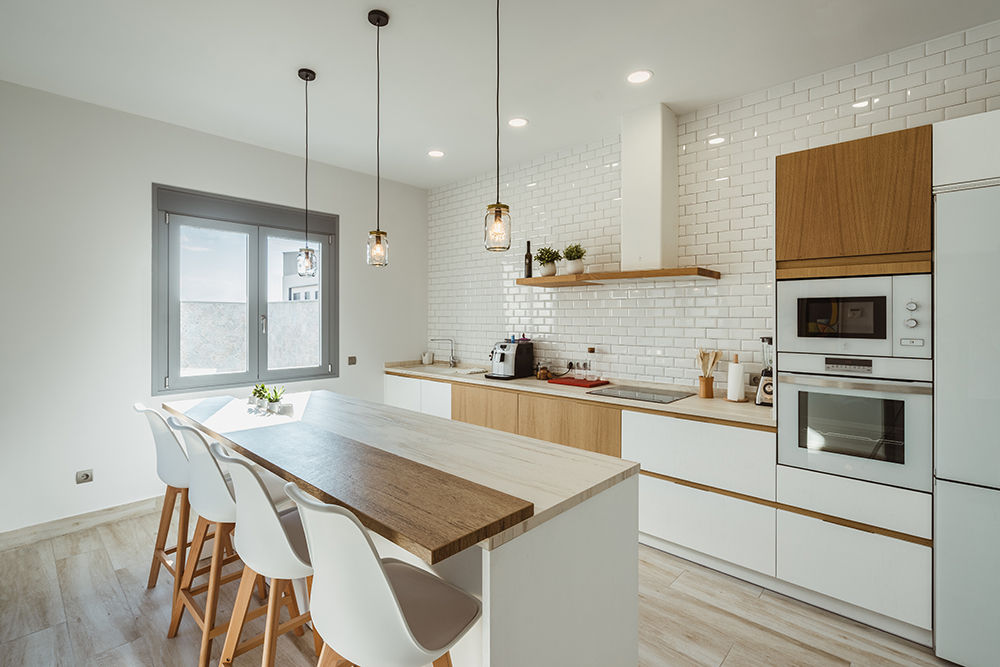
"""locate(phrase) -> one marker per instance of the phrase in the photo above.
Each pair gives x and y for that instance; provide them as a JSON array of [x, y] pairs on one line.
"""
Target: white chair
[[270, 544], [172, 469], [374, 611]]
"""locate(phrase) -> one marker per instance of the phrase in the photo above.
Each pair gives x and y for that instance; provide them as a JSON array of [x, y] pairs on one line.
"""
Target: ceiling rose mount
[[307, 74], [378, 18]]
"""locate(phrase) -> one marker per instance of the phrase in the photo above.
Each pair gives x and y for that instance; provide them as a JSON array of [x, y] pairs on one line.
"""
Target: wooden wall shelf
[[687, 273]]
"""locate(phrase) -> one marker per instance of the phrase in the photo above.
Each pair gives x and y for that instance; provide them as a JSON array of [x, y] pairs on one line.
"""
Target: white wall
[[649, 330], [75, 213]]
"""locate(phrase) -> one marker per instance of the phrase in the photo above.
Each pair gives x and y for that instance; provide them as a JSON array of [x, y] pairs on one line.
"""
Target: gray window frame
[[256, 218]]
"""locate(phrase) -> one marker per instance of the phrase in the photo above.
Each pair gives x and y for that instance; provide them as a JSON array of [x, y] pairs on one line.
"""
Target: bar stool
[[271, 545], [374, 611], [172, 469]]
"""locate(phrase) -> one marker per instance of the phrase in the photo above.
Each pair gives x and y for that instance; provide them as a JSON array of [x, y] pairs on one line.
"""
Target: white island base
[[566, 592]]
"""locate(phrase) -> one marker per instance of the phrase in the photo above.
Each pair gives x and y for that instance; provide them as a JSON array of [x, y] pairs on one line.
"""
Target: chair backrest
[[260, 537], [171, 461], [208, 492], [352, 603]]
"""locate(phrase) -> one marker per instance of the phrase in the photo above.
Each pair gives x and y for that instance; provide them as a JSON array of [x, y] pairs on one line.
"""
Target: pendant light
[[307, 256], [378, 241], [496, 226]]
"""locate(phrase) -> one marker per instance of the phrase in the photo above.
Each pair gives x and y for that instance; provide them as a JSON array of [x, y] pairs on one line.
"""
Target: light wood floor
[[81, 599]]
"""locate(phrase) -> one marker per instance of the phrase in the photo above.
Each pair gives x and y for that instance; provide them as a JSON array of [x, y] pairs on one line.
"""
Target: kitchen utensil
[[705, 389]]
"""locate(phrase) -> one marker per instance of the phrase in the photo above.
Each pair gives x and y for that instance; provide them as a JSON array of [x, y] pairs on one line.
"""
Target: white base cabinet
[[882, 574], [427, 396], [734, 530]]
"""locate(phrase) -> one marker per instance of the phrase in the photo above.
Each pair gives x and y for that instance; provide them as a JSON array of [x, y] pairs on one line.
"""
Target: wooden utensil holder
[[705, 387]]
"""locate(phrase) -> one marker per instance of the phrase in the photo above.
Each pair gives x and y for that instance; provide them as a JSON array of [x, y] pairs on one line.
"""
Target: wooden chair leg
[[317, 640], [330, 658], [193, 556], [240, 609], [180, 556], [261, 590], [292, 604], [444, 660], [271, 624], [212, 603], [161, 534]]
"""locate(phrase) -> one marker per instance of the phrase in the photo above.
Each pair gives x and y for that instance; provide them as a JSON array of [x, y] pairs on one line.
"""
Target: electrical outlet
[[84, 476], [351, 361]]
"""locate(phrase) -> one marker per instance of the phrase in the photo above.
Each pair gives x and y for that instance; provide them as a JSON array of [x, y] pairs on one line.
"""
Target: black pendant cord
[[378, 128], [307, 166], [498, 101]]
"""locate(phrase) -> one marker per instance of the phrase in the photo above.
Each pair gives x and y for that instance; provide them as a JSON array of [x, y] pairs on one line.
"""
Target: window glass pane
[[213, 301], [293, 309]]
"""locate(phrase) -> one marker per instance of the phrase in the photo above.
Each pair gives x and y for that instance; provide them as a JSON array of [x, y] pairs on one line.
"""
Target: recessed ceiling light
[[716, 140], [640, 76], [436, 153], [517, 122], [860, 105]]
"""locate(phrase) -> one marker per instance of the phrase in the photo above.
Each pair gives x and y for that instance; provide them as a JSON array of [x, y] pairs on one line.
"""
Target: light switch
[[351, 361]]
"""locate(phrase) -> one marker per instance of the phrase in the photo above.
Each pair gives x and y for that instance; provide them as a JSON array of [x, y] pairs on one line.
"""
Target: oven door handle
[[833, 383]]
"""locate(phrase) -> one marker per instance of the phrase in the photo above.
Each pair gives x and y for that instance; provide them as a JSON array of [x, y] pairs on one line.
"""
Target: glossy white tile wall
[[649, 330]]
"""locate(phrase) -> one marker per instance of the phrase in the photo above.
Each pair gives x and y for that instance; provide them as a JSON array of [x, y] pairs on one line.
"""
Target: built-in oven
[[879, 316], [868, 418]]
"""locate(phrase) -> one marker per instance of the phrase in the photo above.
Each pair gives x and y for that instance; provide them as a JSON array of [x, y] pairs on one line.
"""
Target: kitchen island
[[545, 535]]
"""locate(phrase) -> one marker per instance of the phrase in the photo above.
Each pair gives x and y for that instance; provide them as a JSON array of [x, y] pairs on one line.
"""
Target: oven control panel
[[911, 316]]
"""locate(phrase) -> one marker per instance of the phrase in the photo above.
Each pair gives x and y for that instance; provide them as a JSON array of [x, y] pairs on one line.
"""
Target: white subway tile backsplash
[[650, 330]]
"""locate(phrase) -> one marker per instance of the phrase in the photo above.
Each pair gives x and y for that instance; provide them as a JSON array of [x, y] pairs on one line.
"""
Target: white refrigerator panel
[[966, 583], [964, 149], [967, 336]]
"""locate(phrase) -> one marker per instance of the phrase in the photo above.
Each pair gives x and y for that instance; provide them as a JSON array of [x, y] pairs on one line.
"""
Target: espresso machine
[[512, 360]]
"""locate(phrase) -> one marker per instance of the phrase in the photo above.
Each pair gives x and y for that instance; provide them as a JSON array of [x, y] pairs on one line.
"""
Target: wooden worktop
[[431, 485], [715, 410]]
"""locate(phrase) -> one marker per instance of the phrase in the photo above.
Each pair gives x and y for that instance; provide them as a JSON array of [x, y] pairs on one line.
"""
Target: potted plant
[[547, 258], [274, 399], [574, 253], [259, 396]]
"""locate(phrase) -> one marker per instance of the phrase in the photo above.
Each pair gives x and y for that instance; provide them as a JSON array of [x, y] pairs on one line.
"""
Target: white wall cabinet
[[878, 573], [734, 530], [726, 457], [427, 396]]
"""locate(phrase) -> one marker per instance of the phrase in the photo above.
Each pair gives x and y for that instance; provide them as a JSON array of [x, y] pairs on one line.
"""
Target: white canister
[[427, 358], [735, 387]]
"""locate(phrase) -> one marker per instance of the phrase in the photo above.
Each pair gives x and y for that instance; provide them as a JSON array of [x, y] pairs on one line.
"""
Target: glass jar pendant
[[378, 248], [307, 262], [496, 227]]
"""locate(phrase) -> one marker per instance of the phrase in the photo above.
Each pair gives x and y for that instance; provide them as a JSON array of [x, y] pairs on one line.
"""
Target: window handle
[[263, 324]]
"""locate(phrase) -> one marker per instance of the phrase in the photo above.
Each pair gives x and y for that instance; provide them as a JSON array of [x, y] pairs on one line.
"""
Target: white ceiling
[[228, 67]]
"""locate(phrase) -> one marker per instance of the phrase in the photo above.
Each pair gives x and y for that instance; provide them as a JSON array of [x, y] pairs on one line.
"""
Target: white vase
[[274, 407], [262, 403], [547, 269], [574, 266]]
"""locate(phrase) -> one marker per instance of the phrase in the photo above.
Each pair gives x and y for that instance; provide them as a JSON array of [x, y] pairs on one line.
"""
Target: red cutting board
[[575, 382]]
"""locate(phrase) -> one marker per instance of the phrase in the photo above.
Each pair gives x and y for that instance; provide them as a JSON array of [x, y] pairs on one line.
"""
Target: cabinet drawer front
[[901, 510], [402, 392], [482, 406], [593, 427], [879, 573], [726, 457], [435, 398], [734, 530]]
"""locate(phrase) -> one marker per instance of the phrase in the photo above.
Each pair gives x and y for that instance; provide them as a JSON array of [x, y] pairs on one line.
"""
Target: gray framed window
[[229, 308]]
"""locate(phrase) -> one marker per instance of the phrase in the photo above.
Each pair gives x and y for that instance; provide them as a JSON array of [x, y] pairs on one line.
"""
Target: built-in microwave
[[878, 316]]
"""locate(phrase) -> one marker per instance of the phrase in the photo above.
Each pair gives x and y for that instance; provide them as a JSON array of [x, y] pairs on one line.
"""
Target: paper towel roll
[[735, 389]]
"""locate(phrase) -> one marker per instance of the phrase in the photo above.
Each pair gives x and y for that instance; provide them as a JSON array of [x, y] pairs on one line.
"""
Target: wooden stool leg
[[212, 603], [161, 534], [444, 660], [317, 640], [180, 556], [292, 604], [271, 624], [193, 556], [261, 589], [240, 609], [330, 658]]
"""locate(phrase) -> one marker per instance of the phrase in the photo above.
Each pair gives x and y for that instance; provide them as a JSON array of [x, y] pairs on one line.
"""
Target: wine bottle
[[527, 262]]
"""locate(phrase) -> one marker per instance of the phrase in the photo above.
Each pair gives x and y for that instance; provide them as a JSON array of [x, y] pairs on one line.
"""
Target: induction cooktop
[[642, 393]]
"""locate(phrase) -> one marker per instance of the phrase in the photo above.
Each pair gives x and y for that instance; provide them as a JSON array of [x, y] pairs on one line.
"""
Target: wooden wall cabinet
[[483, 406], [596, 428], [858, 203]]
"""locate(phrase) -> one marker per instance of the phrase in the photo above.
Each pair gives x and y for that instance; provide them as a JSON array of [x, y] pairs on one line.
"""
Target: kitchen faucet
[[452, 361]]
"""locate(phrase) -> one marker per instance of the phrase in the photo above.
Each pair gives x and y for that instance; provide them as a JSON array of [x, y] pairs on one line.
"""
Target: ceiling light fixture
[[517, 122], [716, 140], [306, 261], [378, 241], [496, 225], [639, 76], [436, 153]]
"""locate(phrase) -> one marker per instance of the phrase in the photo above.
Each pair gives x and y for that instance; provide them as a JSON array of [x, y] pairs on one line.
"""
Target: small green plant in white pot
[[574, 253], [274, 399], [259, 396], [547, 258]]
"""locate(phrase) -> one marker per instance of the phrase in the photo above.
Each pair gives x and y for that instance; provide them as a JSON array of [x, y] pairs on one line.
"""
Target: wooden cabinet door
[[866, 197], [482, 406], [594, 427]]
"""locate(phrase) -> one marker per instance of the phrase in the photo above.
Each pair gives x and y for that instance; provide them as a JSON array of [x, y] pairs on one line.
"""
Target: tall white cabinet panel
[[886, 575], [964, 150], [967, 589], [402, 392], [734, 530], [726, 457], [435, 398]]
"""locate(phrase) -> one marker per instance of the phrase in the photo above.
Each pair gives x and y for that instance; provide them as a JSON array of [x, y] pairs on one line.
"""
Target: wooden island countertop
[[430, 485]]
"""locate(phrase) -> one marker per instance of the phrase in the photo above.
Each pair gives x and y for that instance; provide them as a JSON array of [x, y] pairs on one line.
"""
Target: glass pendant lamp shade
[[307, 262], [496, 227], [378, 248]]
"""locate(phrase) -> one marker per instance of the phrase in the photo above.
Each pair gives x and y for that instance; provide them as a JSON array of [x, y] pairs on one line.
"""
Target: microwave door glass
[[842, 317], [867, 428]]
